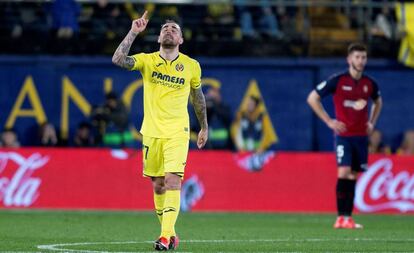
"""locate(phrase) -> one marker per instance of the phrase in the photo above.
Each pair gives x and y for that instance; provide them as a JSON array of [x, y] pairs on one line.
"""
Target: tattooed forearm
[[120, 56], [199, 103]]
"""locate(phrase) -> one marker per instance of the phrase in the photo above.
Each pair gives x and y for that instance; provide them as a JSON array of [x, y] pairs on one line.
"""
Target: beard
[[356, 68], [168, 43]]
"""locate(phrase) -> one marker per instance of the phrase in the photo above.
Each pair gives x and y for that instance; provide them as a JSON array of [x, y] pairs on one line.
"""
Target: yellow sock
[[170, 213], [159, 205]]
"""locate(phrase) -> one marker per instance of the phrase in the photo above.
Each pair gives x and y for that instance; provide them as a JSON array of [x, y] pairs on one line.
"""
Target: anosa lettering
[[28, 91]]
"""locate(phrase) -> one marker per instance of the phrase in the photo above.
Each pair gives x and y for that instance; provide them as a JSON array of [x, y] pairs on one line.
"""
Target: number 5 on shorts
[[340, 152]]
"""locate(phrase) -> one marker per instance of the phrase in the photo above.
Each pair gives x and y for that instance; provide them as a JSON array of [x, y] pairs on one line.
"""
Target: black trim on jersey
[[150, 175], [175, 59], [180, 174], [133, 58], [167, 61], [159, 54]]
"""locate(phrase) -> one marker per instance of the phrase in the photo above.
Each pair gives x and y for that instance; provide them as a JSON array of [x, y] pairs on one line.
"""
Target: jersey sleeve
[[139, 60], [196, 79], [327, 87], [375, 91]]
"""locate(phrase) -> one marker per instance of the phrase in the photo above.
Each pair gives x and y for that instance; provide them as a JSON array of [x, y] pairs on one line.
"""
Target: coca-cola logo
[[17, 186], [380, 189]]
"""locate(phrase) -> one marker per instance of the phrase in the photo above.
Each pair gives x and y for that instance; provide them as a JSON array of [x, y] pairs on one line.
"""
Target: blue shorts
[[352, 151]]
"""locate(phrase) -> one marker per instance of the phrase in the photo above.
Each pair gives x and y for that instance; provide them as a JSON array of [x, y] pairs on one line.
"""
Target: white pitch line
[[58, 247]]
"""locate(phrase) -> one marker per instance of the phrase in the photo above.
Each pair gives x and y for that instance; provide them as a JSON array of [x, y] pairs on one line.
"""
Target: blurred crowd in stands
[[229, 28], [107, 126]]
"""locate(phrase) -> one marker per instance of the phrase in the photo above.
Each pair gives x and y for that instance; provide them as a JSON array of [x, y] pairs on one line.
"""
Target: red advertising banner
[[214, 181]]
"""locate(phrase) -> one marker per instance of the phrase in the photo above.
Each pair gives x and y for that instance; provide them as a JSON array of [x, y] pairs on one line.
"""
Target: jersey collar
[[159, 54]]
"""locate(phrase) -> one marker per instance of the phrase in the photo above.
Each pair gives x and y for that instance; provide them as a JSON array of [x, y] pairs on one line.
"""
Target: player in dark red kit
[[351, 92]]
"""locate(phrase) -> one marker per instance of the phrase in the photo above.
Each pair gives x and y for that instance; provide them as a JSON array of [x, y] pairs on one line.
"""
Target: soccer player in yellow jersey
[[170, 77]]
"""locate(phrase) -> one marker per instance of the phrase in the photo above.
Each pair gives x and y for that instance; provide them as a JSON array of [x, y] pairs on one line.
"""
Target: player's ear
[[348, 59], [181, 40], [159, 39]]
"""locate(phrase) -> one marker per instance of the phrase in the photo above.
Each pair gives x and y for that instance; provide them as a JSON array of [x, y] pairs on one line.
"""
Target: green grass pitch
[[89, 232]]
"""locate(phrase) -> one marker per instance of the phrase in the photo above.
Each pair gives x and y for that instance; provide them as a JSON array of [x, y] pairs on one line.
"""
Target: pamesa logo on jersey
[[167, 80]]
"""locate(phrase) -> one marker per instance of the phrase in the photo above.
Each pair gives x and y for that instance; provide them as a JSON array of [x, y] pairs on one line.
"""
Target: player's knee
[[159, 189], [344, 172], [158, 185], [173, 186], [172, 182]]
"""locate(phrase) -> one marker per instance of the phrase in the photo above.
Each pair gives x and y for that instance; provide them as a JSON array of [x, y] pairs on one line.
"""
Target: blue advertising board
[[63, 91]]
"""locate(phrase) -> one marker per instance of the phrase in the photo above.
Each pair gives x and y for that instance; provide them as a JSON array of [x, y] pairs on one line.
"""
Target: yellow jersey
[[167, 87]]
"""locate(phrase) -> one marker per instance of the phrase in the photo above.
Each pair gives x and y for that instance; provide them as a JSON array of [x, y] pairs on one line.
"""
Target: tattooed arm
[[199, 103], [120, 56]]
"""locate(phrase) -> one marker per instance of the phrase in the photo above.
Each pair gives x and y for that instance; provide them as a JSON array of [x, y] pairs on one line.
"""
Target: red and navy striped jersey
[[350, 99]]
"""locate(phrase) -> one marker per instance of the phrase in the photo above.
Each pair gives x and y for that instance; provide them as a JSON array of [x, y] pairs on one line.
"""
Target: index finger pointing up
[[144, 16]]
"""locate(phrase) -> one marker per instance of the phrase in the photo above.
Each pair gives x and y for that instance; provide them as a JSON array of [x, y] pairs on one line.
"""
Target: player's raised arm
[[199, 103], [120, 56]]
